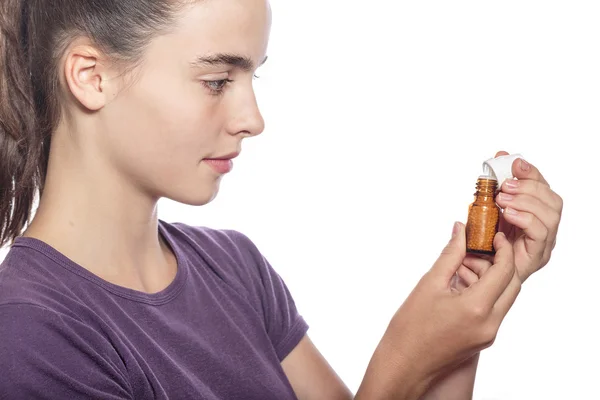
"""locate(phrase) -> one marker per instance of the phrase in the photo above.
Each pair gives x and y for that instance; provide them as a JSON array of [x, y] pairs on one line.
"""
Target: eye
[[217, 87]]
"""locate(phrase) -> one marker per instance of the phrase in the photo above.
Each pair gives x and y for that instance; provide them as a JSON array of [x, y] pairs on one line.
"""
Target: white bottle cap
[[500, 168]]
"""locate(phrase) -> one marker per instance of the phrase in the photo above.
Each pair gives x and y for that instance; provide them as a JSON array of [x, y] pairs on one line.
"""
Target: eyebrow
[[234, 60]]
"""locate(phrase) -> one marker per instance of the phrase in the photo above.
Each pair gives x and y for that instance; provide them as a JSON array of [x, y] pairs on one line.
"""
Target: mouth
[[222, 164], [229, 156]]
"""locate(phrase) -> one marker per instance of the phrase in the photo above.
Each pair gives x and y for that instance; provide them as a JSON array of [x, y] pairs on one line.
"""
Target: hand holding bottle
[[438, 327], [532, 213]]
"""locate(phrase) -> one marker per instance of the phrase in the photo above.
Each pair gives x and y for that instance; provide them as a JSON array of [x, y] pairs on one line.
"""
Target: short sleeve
[[47, 355], [284, 324]]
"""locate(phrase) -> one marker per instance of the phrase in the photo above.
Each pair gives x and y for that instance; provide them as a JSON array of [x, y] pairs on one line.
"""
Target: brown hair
[[34, 35]]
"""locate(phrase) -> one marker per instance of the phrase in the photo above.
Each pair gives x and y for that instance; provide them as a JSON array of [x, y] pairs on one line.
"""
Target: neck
[[100, 220]]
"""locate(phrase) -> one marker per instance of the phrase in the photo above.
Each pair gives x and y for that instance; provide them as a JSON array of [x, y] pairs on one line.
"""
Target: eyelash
[[222, 83]]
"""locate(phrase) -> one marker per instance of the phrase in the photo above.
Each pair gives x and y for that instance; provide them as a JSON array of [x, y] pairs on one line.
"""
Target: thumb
[[453, 254]]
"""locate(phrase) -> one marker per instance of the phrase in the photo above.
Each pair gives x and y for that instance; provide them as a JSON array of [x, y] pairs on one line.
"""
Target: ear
[[87, 76]]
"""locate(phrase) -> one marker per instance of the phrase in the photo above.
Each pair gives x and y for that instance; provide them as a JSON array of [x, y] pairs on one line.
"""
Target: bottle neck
[[486, 189]]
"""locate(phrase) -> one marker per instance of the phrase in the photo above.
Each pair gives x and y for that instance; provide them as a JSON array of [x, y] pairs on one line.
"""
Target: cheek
[[165, 130]]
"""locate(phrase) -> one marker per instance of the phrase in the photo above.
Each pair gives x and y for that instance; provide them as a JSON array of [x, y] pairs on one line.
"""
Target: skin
[[125, 141], [129, 138], [531, 229]]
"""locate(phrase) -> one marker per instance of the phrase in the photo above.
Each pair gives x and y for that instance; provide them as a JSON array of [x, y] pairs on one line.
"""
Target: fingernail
[[511, 183], [511, 211], [525, 165], [455, 229], [505, 197]]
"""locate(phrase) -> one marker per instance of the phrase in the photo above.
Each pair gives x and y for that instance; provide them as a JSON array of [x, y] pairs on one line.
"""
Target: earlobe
[[86, 77]]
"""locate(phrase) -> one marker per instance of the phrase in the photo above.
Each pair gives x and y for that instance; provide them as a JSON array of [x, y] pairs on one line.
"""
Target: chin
[[195, 199], [198, 196], [191, 191]]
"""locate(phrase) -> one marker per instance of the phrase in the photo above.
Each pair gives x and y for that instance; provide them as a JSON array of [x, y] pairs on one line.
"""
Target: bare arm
[[392, 373], [431, 332], [458, 384], [311, 376]]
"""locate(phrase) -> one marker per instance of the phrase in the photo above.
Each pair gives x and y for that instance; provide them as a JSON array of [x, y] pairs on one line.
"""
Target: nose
[[248, 119]]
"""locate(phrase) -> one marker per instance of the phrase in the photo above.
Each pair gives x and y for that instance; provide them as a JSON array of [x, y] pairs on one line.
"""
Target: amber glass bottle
[[483, 219]]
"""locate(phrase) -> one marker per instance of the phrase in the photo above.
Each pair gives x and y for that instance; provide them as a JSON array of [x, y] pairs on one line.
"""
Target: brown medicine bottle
[[483, 218]]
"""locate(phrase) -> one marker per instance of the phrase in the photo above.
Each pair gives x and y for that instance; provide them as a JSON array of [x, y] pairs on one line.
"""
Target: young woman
[[106, 106]]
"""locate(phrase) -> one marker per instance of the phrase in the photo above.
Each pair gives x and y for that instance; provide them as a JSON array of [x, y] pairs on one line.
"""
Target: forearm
[[457, 384], [391, 375]]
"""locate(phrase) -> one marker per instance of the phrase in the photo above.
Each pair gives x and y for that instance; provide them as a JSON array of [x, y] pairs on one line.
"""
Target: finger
[[467, 275], [531, 225], [521, 169], [530, 204], [536, 234], [506, 227], [491, 285], [501, 153], [451, 258], [507, 298], [477, 264], [534, 188]]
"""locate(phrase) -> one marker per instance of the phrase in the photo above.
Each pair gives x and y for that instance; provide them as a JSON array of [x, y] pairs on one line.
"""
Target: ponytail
[[19, 137], [33, 36]]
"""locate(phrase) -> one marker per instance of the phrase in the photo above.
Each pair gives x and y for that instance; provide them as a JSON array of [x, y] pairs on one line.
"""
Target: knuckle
[[479, 313], [556, 216], [488, 335], [544, 262], [560, 202], [546, 256], [528, 218], [448, 250], [539, 188], [545, 233]]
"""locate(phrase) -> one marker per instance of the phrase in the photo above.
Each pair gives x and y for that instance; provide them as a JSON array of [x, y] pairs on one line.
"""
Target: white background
[[378, 116]]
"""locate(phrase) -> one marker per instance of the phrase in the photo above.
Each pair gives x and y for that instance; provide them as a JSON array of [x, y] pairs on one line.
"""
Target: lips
[[221, 166], [225, 157]]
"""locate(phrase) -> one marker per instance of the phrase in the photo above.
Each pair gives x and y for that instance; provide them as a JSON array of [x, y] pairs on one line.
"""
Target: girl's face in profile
[[192, 98]]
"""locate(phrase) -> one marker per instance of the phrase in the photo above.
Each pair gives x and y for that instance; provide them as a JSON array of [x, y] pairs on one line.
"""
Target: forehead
[[225, 26]]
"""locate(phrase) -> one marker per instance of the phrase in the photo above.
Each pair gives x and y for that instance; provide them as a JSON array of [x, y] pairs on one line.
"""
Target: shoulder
[[226, 247], [226, 239], [236, 259], [23, 321], [33, 323], [25, 278]]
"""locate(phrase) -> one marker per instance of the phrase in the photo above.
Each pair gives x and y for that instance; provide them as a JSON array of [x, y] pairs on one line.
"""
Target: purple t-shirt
[[218, 331]]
